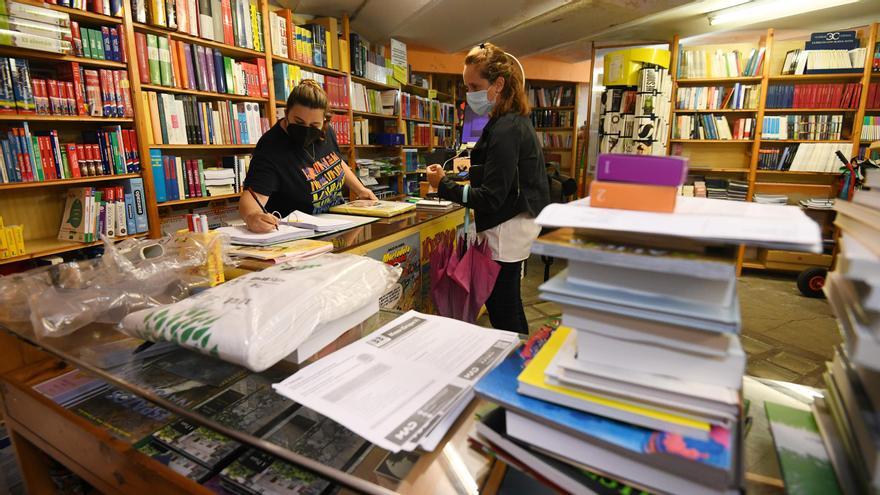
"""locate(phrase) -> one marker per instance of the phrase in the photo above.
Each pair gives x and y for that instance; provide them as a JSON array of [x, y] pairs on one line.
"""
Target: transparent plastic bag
[[260, 318], [132, 275]]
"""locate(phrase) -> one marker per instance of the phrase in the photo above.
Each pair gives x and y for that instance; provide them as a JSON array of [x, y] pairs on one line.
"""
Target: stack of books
[[176, 178], [737, 190], [847, 417], [636, 182], [780, 199], [716, 188]]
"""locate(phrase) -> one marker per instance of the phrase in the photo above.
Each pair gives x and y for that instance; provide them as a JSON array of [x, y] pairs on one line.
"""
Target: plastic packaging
[[132, 275], [260, 318]]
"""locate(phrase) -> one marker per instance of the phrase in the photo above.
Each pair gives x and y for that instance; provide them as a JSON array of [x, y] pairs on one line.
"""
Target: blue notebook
[[500, 386], [654, 308]]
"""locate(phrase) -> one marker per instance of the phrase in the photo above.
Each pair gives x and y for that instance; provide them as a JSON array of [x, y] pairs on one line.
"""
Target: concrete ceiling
[[563, 29]]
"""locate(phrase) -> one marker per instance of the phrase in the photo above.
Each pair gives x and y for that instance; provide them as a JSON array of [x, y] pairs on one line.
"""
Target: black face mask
[[302, 136]]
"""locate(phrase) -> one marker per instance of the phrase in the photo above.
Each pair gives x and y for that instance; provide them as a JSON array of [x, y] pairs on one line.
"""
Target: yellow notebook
[[533, 375], [369, 208]]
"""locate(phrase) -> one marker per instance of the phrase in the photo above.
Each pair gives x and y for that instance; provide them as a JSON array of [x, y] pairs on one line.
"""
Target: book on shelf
[[11, 240], [90, 213], [364, 99], [231, 22], [176, 178], [178, 64], [711, 126], [106, 7], [814, 95], [552, 118], [342, 128], [414, 106], [107, 43], [442, 136], [288, 76], [736, 97], [442, 113], [699, 63], [369, 60], [418, 134], [71, 387], [373, 208], [30, 26], [798, 62], [41, 156], [183, 119], [556, 96], [813, 127]]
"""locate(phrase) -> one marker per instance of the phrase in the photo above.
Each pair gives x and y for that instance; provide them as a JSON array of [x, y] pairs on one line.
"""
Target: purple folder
[[642, 169]]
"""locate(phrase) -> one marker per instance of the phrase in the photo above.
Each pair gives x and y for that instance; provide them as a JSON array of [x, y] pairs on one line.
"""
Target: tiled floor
[[785, 335]]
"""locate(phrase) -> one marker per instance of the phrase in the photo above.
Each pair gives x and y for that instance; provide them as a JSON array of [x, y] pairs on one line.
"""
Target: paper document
[[401, 386], [709, 220], [318, 223], [241, 235]]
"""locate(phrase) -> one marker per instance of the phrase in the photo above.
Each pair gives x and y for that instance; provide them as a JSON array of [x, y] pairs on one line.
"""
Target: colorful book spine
[[628, 196], [642, 169]]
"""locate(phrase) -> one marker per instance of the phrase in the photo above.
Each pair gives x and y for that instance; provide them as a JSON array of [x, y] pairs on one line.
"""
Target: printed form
[[402, 386]]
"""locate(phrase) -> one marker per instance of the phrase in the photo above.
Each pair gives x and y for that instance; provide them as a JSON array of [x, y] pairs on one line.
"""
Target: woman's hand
[[260, 223], [435, 175], [366, 193]]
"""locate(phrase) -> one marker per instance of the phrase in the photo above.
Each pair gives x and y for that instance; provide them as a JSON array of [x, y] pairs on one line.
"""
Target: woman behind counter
[[508, 178], [297, 164]]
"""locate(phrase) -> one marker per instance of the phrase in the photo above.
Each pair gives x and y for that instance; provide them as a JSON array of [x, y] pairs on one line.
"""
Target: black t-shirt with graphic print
[[289, 176]]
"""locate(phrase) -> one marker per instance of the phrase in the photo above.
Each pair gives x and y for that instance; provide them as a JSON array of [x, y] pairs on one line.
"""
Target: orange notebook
[[628, 196]]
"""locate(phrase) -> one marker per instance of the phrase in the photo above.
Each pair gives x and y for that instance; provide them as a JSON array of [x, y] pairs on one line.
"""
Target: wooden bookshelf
[[203, 94], [8, 51], [377, 146], [723, 110], [374, 115], [65, 182], [314, 68], [730, 159], [373, 84], [415, 119], [47, 246], [228, 50], [85, 16], [712, 141], [201, 146], [201, 199]]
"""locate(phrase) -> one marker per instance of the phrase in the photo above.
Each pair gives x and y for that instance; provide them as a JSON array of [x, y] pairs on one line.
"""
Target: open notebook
[[241, 235], [318, 223]]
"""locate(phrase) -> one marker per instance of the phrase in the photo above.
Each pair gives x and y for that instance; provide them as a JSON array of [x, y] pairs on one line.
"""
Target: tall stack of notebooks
[[25, 25], [643, 382], [637, 182], [847, 416]]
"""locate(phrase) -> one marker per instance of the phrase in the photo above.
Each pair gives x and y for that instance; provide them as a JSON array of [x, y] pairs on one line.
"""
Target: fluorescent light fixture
[[765, 10]]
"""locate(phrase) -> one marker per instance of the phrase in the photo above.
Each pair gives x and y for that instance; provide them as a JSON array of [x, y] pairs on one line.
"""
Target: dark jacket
[[513, 178]]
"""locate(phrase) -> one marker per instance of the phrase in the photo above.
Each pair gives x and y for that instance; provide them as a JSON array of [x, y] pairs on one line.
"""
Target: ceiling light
[[771, 9]]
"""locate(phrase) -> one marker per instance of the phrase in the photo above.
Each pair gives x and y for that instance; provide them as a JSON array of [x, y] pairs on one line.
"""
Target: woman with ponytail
[[508, 178], [297, 164]]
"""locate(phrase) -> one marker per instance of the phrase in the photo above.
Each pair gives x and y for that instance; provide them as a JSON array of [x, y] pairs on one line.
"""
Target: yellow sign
[[432, 94], [400, 74]]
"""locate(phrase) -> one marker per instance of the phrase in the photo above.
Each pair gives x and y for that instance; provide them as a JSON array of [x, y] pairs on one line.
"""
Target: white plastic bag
[[258, 319]]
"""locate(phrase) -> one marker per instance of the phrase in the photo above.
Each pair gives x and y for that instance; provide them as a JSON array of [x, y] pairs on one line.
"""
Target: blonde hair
[[310, 94], [493, 62]]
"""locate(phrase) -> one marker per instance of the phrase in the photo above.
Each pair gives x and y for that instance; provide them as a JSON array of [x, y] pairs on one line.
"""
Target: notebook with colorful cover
[[373, 208]]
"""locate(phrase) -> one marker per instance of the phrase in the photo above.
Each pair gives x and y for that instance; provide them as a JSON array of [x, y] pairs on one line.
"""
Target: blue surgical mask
[[479, 102]]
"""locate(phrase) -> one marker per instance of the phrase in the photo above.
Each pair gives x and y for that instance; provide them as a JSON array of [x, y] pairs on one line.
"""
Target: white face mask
[[479, 101]]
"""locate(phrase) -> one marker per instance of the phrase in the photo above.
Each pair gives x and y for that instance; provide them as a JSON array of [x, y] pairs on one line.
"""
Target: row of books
[[710, 126], [717, 188], [418, 134], [64, 89], [41, 156], [819, 61], [113, 211], [813, 127], [555, 139], [814, 95], [364, 99], [288, 76], [411, 161], [368, 60], [318, 43], [557, 96], [442, 112], [443, 136], [874, 96], [106, 7], [232, 22], [871, 128], [172, 63], [850, 404], [227, 395], [736, 97], [414, 106], [552, 118], [106, 43], [182, 119], [11, 240], [342, 127], [805, 157], [719, 63], [176, 178], [30, 26], [360, 131]]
